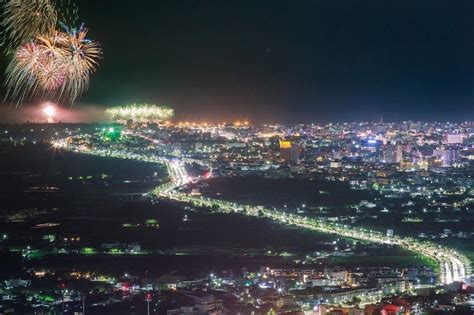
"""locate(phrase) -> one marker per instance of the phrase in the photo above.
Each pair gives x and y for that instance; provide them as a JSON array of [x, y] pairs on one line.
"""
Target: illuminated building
[[454, 138], [447, 156], [289, 151], [112, 133], [406, 166], [393, 153]]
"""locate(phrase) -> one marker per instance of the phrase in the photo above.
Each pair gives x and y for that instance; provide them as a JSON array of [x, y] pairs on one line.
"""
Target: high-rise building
[[455, 138], [447, 156], [392, 153], [398, 154], [289, 151]]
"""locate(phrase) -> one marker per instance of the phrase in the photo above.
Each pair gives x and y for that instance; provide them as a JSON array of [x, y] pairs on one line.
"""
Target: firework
[[81, 59], [52, 74], [46, 61], [67, 12], [140, 113], [21, 72], [58, 65], [49, 110], [23, 20]]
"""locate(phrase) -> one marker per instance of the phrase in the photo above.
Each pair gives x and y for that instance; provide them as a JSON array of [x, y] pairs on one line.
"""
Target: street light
[[148, 300]]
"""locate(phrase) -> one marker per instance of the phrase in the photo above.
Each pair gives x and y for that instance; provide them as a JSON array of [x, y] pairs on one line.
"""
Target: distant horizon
[[96, 114]]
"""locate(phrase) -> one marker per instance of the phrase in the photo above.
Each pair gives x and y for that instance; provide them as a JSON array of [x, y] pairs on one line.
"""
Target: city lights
[[453, 265], [198, 158]]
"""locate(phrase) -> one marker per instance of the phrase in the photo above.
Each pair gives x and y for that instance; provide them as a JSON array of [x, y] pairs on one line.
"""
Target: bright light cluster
[[49, 110], [58, 64], [49, 57], [140, 113]]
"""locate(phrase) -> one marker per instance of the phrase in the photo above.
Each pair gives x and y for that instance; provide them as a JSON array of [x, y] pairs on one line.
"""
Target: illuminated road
[[453, 266]]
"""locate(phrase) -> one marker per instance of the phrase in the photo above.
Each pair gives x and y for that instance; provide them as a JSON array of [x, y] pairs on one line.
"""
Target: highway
[[453, 266]]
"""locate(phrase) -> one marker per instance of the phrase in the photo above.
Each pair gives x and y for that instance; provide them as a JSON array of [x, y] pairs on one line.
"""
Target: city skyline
[[237, 157]]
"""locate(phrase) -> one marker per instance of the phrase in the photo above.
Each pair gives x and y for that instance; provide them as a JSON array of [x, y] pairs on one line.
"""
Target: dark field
[[50, 197], [53, 193], [317, 196]]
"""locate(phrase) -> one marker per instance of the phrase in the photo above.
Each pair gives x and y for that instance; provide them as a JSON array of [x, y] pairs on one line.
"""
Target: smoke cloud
[[34, 113]]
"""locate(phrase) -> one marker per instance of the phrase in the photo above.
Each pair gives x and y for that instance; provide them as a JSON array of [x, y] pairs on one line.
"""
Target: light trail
[[453, 266]]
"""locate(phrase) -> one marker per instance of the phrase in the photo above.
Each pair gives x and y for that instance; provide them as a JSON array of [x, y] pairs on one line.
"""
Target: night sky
[[286, 61]]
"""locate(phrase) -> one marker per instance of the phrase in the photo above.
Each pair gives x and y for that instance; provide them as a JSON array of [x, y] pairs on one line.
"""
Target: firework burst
[[81, 59], [23, 20], [140, 113], [67, 12], [21, 72], [57, 65], [46, 61]]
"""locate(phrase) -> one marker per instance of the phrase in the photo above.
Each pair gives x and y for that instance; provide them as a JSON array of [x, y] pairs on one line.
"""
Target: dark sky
[[287, 60]]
